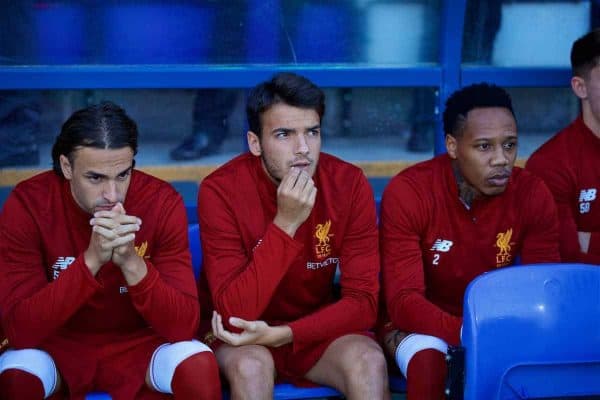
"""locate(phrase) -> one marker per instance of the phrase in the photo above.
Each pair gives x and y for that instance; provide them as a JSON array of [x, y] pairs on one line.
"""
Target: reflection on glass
[[208, 126], [214, 32], [523, 33], [541, 113]]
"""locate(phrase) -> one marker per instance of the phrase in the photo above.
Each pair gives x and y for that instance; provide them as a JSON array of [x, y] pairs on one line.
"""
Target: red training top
[[257, 271], [433, 246], [50, 300], [569, 163]]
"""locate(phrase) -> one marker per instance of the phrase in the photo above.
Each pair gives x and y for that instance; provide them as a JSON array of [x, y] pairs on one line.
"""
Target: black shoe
[[25, 158], [193, 147]]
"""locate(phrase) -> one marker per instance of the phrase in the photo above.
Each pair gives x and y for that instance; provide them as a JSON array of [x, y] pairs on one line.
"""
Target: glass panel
[[541, 113], [380, 124], [218, 32], [208, 126], [524, 32]]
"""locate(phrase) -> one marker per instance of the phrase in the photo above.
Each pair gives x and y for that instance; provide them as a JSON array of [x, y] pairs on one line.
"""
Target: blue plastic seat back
[[287, 391], [397, 383], [533, 331], [284, 391], [195, 248], [98, 396]]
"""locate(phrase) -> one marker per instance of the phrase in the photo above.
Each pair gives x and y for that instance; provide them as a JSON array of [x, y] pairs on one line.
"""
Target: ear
[[254, 143], [65, 166], [579, 87], [451, 144]]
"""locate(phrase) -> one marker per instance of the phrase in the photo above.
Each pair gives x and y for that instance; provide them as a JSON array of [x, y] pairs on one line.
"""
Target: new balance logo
[[585, 198], [61, 264], [587, 195], [442, 245]]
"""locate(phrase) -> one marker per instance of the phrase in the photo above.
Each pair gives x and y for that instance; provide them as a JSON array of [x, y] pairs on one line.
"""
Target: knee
[[186, 358], [197, 377], [414, 344], [253, 366], [369, 360], [251, 363], [28, 371], [203, 363]]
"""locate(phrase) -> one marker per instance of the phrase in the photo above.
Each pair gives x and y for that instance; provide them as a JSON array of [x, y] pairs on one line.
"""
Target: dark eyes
[[285, 134], [122, 176], [488, 146], [99, 178]]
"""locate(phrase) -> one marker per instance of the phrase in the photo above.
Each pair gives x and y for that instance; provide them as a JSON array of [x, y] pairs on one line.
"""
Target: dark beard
[[269, 170]]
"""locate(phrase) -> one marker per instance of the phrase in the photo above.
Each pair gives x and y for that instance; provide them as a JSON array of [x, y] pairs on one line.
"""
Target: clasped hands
[[113, 237], [253, 332]]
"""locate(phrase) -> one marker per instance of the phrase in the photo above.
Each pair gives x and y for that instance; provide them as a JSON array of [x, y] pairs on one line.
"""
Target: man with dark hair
[[569, 163], [96, 286], [446, 221], [276, 223]]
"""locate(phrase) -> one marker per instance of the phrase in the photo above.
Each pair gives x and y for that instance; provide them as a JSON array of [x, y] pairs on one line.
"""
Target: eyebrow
[[99, 175], [515, 136], [286, 130]]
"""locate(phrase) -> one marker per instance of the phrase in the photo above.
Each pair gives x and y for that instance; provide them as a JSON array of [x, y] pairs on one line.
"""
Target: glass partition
[[208, 126], [373, 32], [541, 113], [532, 33]]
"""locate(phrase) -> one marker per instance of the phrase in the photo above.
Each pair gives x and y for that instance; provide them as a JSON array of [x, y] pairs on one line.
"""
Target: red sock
[[197, 377], [426, 376], [18, 384]]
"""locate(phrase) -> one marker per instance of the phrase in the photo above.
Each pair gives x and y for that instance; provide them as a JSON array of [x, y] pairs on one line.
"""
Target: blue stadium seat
[[189, 192], [195, 248], [533, 331], [286, 391], [98, 396], [397, 383]]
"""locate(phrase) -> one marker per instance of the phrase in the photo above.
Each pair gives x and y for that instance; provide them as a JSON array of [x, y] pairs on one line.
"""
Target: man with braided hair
[[96, 285]]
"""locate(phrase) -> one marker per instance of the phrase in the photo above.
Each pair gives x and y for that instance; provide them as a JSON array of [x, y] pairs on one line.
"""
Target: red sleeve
[[558, 178], [167, 296], [359, 264], [33, 309], [404, 217], [241, 284], [540, 241]]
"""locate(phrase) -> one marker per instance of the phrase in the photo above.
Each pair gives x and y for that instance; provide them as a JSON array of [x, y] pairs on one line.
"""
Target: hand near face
[[126, 227], [253, 332], [296, 196], [113, 236]]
